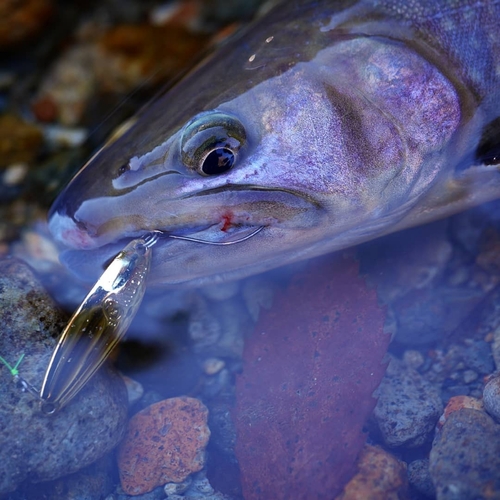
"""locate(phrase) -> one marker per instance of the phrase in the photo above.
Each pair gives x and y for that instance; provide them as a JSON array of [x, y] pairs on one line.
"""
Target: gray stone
[[33, 445], [408, 407], [464, 462], [419, 477], [491, 398], [478, 357]]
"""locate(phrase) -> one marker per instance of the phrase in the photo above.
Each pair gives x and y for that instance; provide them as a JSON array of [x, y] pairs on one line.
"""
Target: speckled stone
[[381, 476], [491, 398], [408, 407], [164, 443], [464, 462], [34, 445], [457, 403], [420, 479]]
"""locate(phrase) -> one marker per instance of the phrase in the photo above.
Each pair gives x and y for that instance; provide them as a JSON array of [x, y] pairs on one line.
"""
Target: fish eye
[[211, 141]]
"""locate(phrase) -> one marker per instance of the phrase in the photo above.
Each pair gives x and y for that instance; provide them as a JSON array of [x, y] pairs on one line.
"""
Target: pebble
[[478, 357], [491, 398], [197, 488], [164, 443], [408, 407], [91, 483], [407, 261], [127, 55], [420, 479], [21, 21], [212, 366], [67, 88], [413, 359], [380, 476], [15, 174], [34, 445], [457, 403], [464, 461], [135, 390]]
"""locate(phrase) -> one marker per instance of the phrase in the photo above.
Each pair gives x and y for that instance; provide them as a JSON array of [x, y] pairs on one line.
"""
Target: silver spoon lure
[[100, 322]]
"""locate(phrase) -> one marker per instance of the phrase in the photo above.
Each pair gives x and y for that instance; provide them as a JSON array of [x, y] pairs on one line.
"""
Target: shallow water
[[285, 362]]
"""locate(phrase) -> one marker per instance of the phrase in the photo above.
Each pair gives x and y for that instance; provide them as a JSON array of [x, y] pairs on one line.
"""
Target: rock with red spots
[[164, 443], [457, 403]]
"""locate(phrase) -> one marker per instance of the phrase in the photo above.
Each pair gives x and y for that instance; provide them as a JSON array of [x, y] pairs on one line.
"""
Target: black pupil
[[220, 160]]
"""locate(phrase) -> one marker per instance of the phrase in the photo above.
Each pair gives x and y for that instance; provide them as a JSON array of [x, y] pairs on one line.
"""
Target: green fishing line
[[13, 369]]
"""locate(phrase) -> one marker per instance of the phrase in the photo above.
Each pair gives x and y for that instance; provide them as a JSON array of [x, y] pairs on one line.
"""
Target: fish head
[[320, 151]]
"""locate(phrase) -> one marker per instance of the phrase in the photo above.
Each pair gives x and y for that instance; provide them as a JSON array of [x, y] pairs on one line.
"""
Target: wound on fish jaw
[[98, 325]]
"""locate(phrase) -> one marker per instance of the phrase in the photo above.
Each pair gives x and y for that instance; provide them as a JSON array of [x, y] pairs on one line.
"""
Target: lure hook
[[217, 243]]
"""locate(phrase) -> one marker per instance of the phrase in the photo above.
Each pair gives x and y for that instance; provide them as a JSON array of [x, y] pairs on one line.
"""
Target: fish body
[[326, 123]]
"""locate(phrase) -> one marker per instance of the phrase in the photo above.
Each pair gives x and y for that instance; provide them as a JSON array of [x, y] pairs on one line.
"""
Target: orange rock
[[20, 141], [381, 476], [164, 443], [133, 55], [20, 20], [457, 403]]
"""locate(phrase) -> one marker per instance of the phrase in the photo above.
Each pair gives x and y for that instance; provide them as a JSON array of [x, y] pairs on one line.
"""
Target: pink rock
[[164, 443], [309, 372]]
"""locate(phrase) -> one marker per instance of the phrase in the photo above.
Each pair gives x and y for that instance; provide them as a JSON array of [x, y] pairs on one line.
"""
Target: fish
[[326, 124]]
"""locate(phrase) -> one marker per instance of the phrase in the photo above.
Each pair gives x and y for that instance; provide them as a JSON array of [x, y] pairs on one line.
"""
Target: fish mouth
[[88, 264], [203, 234]]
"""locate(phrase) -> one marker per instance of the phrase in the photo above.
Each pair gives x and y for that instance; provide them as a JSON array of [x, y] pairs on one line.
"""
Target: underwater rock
[[34, 445], [420, 479], [22, 20], [20, 141], [91, 483], [491, 398], [198, 488], [457, 403], [465, 458], [309, 371], [380, 476], [164, 443], [408, 407]]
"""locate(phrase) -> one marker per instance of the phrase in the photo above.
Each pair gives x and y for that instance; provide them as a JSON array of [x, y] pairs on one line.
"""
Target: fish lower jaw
[[66, 231]]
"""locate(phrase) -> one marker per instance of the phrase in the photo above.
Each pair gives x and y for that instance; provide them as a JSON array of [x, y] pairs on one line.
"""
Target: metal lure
[[98, 325]]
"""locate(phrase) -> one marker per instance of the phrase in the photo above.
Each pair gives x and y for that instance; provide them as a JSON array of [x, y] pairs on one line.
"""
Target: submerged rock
[[465, 458], [408, 407], [419, 477], [33, 445], [164, 443], [380, 476], [491, 398], [309, 372]]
